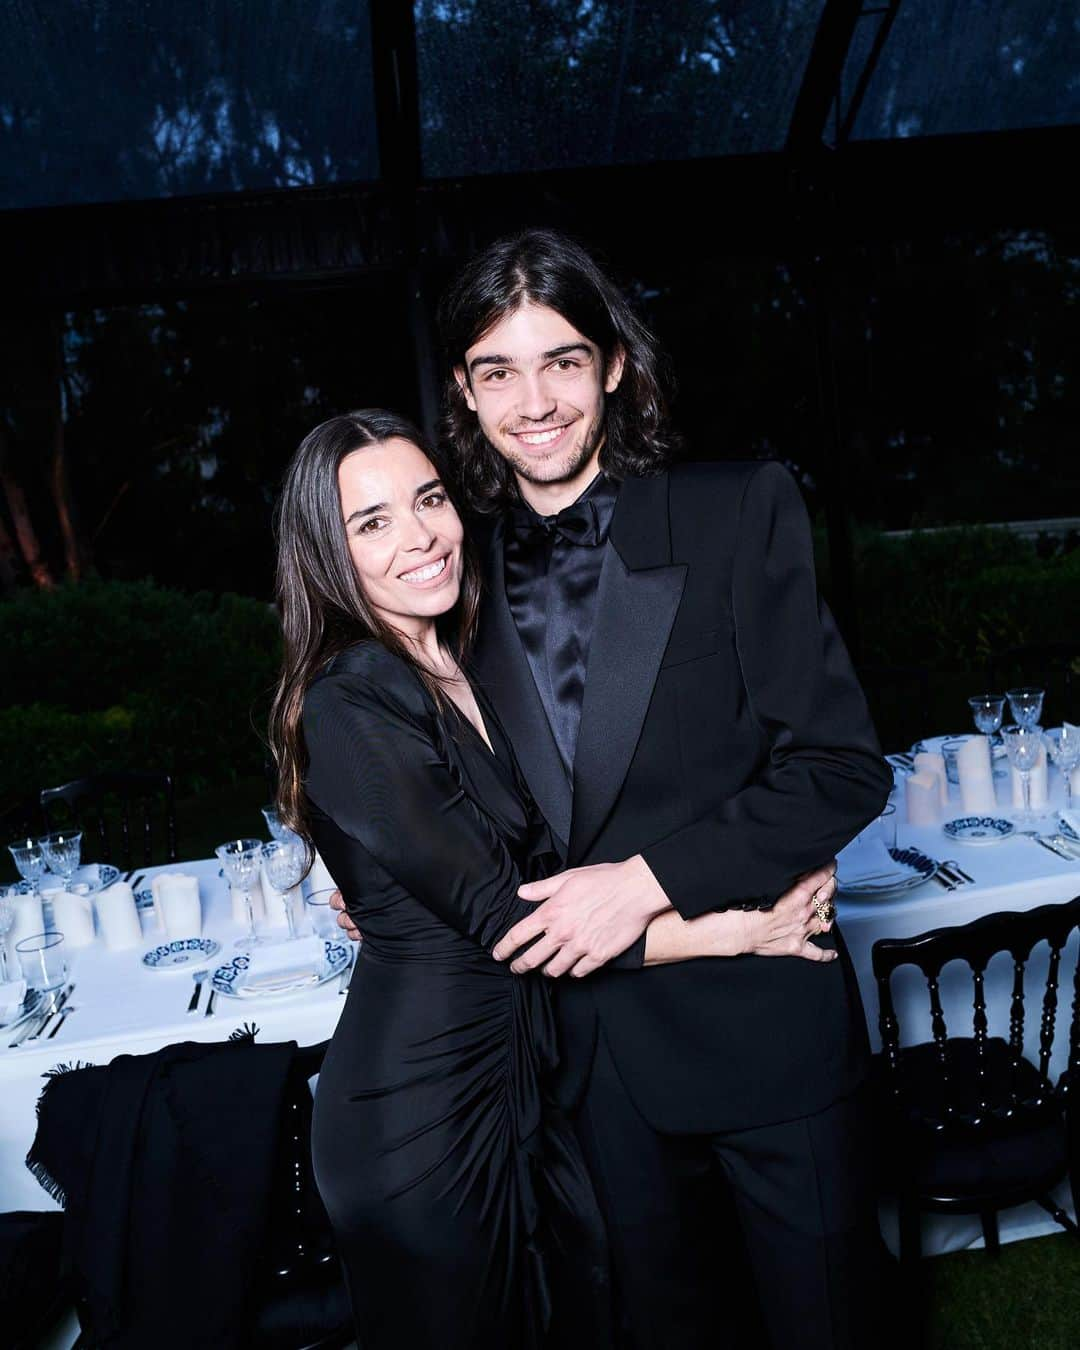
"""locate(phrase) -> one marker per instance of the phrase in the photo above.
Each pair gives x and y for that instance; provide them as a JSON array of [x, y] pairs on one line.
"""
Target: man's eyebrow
[[381, 506], [494, 359]]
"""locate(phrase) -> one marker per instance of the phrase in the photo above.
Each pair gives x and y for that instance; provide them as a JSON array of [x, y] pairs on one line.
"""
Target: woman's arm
[[784, 930]]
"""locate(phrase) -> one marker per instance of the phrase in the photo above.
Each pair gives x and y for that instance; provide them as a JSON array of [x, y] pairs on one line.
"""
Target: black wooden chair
[[970, 1125], [137, 797]]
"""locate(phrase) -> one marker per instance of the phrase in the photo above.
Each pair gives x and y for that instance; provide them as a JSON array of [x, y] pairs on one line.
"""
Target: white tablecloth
[[1015, 874], [123, 1008]]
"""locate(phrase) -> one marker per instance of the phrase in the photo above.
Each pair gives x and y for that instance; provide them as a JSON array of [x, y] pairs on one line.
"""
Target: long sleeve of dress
[[376, 770]]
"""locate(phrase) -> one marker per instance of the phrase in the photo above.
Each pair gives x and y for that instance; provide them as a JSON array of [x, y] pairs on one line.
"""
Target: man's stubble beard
[[532, 470]]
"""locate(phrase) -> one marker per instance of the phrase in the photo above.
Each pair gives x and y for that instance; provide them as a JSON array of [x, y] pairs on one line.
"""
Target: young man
[[687, 718]]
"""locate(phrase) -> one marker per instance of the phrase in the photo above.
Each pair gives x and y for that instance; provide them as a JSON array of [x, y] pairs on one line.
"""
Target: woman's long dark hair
[[543, 267], [321, 603]]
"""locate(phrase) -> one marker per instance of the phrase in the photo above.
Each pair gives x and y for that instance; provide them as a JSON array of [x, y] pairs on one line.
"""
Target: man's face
[[537, 387]]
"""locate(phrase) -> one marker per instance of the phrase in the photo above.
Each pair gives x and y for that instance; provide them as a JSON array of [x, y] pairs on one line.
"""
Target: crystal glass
[[1022, 744], [1026, 704], [62, 849], [987, 710], [7, 923], [29, 859], [240, 861], [1063, 747], [285, 860], [42, 960], [323, 917], [273, 822]]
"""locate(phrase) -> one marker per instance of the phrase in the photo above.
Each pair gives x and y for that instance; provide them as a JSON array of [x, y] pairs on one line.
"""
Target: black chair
[[970, 1125], [88, 802]]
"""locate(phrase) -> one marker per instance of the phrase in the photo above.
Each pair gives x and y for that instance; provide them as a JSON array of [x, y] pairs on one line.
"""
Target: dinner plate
[[181, 953], [229, 978], [913, 869], [978, 829], [85, 880]]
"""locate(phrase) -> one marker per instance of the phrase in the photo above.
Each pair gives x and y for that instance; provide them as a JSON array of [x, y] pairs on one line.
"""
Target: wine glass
[[273, 821], [29, 860], [1023, 744], [7, 922], [285, 866], [62, 849], [987, 710], [1026, 703], [240, 860], [1063, 746]]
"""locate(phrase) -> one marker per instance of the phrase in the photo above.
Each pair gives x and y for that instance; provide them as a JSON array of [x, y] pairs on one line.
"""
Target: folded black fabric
[[165, 1166]]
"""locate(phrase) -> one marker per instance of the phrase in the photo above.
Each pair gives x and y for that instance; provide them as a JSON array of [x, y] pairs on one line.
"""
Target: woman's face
[[404, 535]]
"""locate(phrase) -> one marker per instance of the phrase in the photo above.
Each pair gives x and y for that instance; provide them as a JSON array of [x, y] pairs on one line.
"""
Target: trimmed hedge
[[125, 675]]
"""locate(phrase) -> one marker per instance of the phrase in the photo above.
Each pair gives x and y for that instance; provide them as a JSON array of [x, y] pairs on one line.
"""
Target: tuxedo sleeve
[[823, 778], [375, 769]]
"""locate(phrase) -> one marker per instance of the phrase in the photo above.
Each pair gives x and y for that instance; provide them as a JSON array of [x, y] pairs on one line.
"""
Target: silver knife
[[60, 1021], [1053, 848], [210, 1003], [958, 871]]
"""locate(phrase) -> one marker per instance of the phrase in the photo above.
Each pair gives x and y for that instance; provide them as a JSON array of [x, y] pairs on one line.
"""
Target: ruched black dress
[[462, 1210]]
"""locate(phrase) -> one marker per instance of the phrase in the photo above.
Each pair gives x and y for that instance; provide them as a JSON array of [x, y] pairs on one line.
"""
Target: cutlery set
[[1061, 844], [951, 875], [45, 1024]]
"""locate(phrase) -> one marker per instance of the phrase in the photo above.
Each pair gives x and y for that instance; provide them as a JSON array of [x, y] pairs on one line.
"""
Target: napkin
[[11, 997], [1038, 783], [864, 862], [283, 962], [922, 794], [976, 776], [1072, 819]]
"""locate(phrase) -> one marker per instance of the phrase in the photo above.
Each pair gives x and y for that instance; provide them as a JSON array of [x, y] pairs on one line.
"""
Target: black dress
[[462, 1210]]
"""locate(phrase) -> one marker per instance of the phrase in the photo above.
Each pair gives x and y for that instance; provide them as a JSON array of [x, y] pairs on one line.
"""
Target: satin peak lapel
[[499, 662], [638, 597]]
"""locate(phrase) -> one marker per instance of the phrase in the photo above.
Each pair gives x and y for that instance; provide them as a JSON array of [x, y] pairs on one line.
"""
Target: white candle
[[1038, 784], [73, 915], [922, 794], [176, 898], [927, 761], [29, 921], [976, 775], [319, 878], [118, 917]]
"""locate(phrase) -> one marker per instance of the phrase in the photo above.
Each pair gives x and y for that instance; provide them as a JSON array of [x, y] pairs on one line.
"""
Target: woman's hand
[[786, 929], [337, 902]]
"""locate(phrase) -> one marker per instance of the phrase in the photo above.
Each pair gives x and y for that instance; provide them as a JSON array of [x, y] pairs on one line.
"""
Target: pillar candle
[[176, 898], [118, 917], [73, 915], [29, 921], [976, 775], [930, 762], [922, 792]]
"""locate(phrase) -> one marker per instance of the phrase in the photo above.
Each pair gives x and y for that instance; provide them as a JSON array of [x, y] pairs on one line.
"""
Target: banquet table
[[123, 1008]]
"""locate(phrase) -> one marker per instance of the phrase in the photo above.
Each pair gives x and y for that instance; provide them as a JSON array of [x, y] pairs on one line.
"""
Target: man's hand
[[337, 902], [588, 915]]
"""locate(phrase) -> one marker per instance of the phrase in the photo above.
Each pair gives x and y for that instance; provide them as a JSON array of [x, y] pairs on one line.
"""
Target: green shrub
[[131, 675]]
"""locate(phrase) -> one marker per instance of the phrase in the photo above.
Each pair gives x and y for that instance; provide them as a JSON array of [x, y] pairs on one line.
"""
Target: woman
[[463, 1213]]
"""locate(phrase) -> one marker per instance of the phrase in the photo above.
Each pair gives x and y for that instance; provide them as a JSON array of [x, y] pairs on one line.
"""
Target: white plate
[[913, 869], [180, 954], [228, 979], [978, 829]]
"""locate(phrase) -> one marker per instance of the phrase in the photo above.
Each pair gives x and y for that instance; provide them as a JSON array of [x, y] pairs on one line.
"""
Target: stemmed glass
[[285, 860], [240, 861], [1026, 704], [987, 711], [62, 849], [30, 861], [1064, 749], [1023, 744], [7, 922]]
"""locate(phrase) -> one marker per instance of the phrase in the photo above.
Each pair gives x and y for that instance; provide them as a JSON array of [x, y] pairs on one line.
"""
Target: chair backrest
[[976, 943], [135, 797]]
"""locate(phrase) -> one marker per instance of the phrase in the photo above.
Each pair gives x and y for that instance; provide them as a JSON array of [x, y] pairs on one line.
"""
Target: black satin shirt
[[552, 567]]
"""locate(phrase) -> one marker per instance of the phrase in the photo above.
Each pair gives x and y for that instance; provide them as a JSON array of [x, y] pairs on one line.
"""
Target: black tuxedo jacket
[[725, 738]]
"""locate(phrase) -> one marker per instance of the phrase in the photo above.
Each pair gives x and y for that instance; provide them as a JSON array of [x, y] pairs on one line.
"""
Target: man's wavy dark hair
[[543, 267]]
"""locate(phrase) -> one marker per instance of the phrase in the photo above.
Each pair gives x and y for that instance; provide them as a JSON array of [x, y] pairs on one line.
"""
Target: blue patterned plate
[[913, 868], [978, 829], [180, 954], [229, 978]]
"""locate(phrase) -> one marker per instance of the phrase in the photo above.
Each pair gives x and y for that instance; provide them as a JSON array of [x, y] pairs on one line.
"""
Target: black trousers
[[805, 1203]]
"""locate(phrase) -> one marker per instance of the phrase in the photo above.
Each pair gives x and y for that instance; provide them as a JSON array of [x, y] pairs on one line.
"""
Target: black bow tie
[[577, 524]]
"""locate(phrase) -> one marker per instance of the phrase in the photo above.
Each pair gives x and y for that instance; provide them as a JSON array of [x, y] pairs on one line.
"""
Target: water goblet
[[323, 917], [285, 866], [62, 849], [29, 860], [273, 821], [1022, 743], [240, 861], [1063, 747], [7, 923], [987, 711], [1026, 703]]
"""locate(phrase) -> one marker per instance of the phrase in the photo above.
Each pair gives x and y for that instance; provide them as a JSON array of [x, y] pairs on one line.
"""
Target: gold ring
[[825, 909]]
